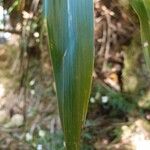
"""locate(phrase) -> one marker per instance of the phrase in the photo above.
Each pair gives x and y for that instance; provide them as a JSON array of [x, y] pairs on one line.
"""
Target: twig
[[106, 55], [103, 40], [11, 31]]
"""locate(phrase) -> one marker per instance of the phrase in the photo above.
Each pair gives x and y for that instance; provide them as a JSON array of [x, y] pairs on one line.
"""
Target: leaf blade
[[142, 8], [70, 29]]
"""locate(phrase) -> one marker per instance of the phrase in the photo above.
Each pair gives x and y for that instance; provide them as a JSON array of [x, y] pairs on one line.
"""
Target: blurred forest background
[[119, 108]]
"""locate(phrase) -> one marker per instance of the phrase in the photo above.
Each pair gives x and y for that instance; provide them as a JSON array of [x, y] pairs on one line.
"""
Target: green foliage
[[87, 147], [142, 8], [52, 141], [117, 101], [120, 103], [70, 30], [13, 6], [48, 141]]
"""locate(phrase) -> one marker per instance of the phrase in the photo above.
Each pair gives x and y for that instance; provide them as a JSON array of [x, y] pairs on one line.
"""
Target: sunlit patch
[[27, 15], [140, 143], [4, 15], [2, 90], [137, 135]]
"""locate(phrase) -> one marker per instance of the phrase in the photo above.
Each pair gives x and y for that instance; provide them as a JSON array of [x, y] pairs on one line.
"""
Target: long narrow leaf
[[70, 30], [142, 8]]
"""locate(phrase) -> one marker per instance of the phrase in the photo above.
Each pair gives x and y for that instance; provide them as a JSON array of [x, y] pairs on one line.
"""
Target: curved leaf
[[142, 8], [70, 30]]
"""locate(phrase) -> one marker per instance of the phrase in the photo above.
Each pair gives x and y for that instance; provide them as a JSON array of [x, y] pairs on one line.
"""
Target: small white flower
[[29, 137], [42, 133], [39, 147], [92, 100], [104, 99], [32, 92], [36, 34], [32, 82]]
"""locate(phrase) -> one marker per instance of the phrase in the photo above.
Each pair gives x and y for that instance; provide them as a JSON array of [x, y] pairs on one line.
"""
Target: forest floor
[[116, 120], [25, 113]]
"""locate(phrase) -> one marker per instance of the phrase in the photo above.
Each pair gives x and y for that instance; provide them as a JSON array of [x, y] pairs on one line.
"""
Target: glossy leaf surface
[[70, 30], [142, 8]]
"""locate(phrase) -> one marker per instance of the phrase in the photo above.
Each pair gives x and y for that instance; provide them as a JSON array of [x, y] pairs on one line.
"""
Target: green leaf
[[142, 8], [71, 43]]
